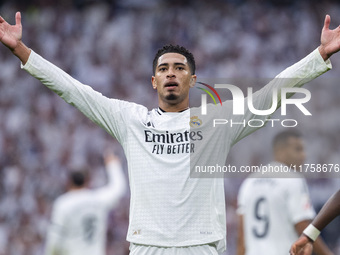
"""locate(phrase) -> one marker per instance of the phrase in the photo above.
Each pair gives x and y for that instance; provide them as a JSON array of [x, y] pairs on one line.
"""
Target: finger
[[18, 18], [327, 22], [292, 250], [2, 19], [301, 252]]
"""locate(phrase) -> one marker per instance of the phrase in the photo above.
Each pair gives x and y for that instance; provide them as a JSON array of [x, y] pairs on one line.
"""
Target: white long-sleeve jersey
[[167, 207], [79, 217], [271, 207]]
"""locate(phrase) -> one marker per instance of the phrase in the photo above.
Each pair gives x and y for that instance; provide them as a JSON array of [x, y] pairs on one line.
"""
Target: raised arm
[[307, 69], [303, 246], [11, 37], [116, 186], [101, 110], [330, 39]]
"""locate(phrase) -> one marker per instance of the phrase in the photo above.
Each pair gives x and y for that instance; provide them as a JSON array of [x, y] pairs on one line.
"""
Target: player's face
[[173, 79], [295, 152]]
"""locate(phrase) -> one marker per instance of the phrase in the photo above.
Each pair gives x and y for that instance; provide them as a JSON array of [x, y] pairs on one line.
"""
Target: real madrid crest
[[195, 121]]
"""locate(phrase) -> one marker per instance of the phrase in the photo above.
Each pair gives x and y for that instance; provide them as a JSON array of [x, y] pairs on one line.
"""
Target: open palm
[[10, 35], [330, 39]]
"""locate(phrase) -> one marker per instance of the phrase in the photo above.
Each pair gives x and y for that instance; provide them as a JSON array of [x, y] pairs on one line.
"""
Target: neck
[[74, 188], [173, 107], [281, 160]]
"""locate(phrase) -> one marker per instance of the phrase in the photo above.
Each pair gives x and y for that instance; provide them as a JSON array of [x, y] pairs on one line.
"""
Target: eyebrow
[[167, 64]]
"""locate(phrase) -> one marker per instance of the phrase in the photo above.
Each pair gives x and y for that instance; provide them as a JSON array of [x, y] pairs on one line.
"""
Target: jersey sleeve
[[110, 194], [54, 243], [299, 206], [296, 75], [103, 111]]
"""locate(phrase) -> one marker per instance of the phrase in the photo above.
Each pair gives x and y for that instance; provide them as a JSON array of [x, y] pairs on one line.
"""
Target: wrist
[[311, 232], [323, 52], [22, 52]]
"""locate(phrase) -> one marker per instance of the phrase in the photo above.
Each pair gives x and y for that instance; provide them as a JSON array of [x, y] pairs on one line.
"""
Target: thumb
[[327, 22], [18, 18]]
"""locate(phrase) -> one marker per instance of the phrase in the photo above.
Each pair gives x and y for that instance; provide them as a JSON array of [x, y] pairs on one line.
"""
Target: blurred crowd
[[110, 45]]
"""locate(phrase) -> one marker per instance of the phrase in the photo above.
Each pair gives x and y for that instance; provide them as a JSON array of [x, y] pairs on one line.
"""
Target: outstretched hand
[[302, 246], [110, 156], [10, 35], [330, 39]]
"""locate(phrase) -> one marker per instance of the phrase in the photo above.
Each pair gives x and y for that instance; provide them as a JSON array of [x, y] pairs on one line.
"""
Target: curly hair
[[169, 48]]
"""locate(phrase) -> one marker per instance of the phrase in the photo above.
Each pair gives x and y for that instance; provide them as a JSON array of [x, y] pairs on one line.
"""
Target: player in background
[[330, 210], [79, 217], [170, 213], [274, 211]]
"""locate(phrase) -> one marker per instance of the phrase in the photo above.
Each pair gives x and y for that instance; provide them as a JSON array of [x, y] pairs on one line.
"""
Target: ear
[[153, 82], [193, 80]]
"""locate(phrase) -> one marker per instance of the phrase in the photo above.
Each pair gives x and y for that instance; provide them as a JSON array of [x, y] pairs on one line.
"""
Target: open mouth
[[171, 85]]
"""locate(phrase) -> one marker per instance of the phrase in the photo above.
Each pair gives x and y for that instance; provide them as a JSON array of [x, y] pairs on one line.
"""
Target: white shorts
[[139, 249]]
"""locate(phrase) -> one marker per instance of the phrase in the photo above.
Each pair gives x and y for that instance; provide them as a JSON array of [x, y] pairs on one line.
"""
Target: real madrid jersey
[[168, 207], [270, 208], [79, 217]]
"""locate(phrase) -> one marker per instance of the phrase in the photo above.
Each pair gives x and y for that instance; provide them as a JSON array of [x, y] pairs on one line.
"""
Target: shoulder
[[246, 185], [72, 197]]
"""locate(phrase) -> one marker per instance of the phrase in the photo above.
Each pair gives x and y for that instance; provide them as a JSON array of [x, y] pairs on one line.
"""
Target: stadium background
[[110, 45]]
